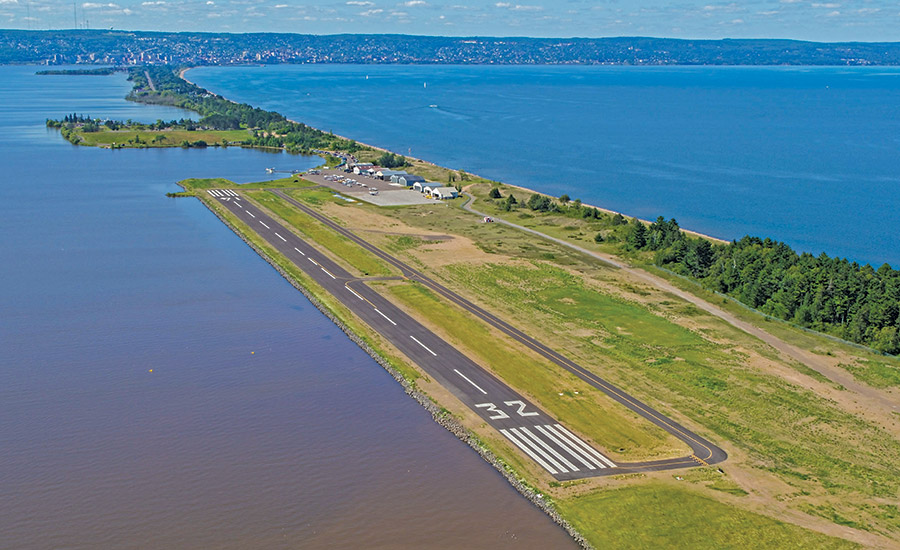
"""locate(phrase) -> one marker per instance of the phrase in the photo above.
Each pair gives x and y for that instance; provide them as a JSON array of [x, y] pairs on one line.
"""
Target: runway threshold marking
[[577, 442], [279, 236], [549, 449], [528, 451], [300, 251], [386, 317], [565, 447], [466, 378], [423, 345]]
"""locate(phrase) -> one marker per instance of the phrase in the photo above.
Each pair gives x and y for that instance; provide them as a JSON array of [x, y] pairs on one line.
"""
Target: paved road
[[555, 448]]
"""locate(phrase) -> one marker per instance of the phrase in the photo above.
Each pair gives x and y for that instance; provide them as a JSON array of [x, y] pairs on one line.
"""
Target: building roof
[[385, 172], [412, 177]]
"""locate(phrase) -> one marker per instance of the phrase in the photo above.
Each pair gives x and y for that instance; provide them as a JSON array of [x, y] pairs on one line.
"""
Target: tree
[[495, 193], [564, 198], [598, 238], [637, 235], [619, 219], [539, 203]]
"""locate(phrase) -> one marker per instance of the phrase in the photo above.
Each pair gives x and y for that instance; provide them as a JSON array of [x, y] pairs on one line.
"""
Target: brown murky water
[[260, 425]]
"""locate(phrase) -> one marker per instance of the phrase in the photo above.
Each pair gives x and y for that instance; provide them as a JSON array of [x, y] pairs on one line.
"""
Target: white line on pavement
[[264, 224], [251, 213], [423, 345], [565, 447], [537, 449], [527, 451], [466, 378], [584, 445], [327, 272], [280, 237], [385, 316], [354, 293], [300, 251], [543, 444], [313, 261]]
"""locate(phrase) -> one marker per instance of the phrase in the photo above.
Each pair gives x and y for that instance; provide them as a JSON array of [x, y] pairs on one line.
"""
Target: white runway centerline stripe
[[327, 272], [313, 261], [251, 214], [300, 251], [264, 224], [354, 293], [280, 237], [466, 378], [527, 451], [386, 317], [423, 345]]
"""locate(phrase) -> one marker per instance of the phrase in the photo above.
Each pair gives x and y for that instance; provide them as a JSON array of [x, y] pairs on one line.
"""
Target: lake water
[[810, 156], [260, 425]]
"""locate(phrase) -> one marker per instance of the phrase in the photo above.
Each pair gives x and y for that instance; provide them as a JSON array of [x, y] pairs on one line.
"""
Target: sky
[[822, 20]]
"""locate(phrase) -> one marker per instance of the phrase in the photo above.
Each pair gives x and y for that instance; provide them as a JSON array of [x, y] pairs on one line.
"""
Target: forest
[[832, 295]]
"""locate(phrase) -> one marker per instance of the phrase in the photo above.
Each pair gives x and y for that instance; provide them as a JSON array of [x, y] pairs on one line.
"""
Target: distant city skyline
[[856, 20]]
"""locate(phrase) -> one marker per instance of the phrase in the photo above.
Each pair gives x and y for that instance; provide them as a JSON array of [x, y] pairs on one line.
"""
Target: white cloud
[[502, 4], [93, 5], [519, 7], [835, 13], [360, 3], [280, 6], [830, 5], [157, 3], [369, 13], [412, 3], [399, 14], [9, 2], [210, 3]]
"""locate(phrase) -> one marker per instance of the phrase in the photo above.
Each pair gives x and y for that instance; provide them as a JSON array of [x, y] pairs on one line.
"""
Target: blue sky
[[822, 20]]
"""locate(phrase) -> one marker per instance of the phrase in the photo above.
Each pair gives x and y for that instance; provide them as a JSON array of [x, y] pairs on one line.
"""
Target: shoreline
[[182, 75]]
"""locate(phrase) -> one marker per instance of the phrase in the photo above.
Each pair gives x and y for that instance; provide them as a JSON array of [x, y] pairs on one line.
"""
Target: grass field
[[621, 433], [657, 515]]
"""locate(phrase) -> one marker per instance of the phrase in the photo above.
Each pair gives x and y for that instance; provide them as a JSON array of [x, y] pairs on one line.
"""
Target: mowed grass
[[622, 433], [657, 515], [160, 138], [342, 249]]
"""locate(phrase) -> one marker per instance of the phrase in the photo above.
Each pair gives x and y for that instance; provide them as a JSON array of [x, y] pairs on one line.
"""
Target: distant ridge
[[190, 48]]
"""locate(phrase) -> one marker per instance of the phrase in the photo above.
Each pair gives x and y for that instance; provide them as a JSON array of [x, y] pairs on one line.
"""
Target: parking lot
[[367, 188]]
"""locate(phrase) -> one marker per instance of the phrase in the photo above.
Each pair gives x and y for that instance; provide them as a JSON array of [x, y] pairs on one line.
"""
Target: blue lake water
[[810, 156], [260, 425]]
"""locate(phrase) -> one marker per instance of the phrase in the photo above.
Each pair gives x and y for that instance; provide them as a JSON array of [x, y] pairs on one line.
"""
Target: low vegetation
[[656, 515]]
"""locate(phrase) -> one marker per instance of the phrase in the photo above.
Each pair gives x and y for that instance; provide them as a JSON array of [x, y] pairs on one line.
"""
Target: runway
[[536, 434]]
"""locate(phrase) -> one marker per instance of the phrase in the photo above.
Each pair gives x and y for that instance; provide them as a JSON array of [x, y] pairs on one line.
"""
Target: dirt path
[[879, 405]]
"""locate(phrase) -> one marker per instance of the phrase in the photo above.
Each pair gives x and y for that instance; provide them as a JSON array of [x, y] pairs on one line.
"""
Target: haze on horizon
[[822, 20]]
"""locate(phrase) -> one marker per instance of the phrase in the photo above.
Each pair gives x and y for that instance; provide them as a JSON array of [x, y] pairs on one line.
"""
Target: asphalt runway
[[539, 436]]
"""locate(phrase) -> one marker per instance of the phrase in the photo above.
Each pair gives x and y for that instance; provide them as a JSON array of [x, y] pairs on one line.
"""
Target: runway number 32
[[498, 414]]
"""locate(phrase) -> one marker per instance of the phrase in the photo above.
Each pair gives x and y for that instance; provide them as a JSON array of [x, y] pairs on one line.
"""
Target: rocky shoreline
[[447, 421]]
